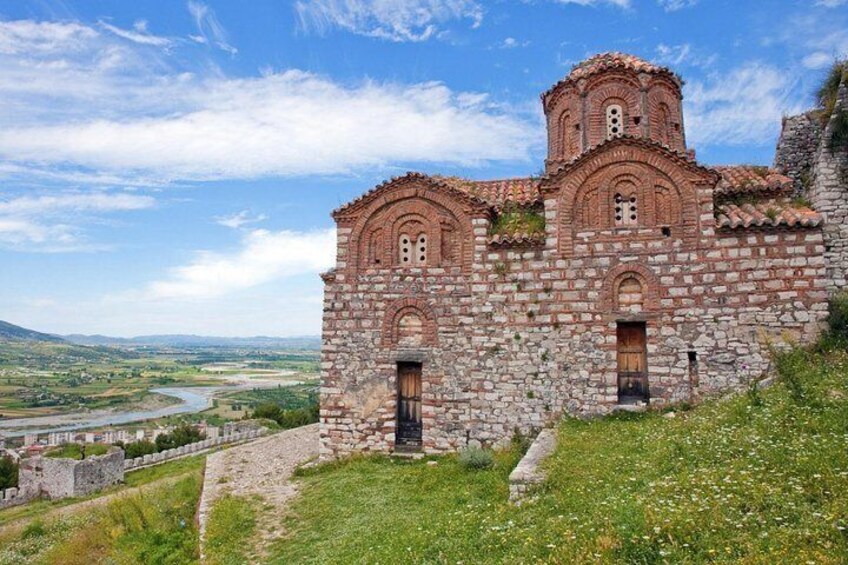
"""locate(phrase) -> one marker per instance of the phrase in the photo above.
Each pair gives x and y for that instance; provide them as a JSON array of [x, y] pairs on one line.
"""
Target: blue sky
[[170, 166]]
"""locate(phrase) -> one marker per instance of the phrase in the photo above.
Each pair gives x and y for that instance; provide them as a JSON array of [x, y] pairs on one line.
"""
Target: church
[[627, 276]]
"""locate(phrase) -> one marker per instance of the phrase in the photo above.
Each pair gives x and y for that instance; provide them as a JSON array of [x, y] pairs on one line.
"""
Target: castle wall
[[529, 335], [62, 478], [829, 195], [797, 147]]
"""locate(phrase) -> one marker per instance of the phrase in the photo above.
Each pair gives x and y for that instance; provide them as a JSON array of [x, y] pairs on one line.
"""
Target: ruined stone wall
[[62, 478], [829, 195], [529, 335], [797, 148]]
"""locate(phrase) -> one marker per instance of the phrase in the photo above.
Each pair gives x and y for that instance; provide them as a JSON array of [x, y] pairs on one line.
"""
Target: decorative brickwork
[[512, 331]]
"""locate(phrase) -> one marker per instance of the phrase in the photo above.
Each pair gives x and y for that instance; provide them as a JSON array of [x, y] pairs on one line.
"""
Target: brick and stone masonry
[[515, 327]]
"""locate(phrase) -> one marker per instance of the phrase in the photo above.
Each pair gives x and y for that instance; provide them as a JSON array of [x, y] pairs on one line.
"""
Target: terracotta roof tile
[[746, 179], [769, 213], [498, 193], [516, 240], [611, 60]]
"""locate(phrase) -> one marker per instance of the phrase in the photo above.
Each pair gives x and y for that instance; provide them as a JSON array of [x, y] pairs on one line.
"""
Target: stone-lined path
[[262, 468]]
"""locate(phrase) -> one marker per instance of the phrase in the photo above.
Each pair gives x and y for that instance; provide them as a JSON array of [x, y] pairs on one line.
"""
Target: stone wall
[[190, 449], [12, 497], [829, 194], [797, 148], [62, 478], [528, 334]]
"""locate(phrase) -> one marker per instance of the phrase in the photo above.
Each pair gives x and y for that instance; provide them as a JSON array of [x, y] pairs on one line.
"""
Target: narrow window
[[615, 121], [421, 250], [405, 249], [626, 210], [693, 368]]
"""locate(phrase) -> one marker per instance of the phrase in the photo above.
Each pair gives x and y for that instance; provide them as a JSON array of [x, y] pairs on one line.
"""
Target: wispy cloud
[[53, 223], [619, 3], [209, 29], [674, 5], [683, 55], [741, 106], [263, 256], [243, 218], [111, 108], [138, 34], [393, 20]]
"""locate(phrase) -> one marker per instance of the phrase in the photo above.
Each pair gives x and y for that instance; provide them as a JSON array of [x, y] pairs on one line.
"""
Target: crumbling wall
[[62, 478], [829, 195], [797, 148]]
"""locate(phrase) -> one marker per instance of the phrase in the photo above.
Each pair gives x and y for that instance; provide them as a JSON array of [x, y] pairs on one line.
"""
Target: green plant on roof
[[771, 214], [518, 220], [802, 202], [826, 97]]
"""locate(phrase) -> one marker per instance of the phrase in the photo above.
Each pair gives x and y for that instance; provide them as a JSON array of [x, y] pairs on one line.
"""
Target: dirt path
[[262, 467]]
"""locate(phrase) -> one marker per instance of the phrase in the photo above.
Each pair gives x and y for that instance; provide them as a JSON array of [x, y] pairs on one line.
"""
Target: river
[[194, 399]]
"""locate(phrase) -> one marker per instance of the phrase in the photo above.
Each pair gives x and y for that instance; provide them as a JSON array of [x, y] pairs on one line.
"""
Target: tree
[[139, 449], [180, 436], [8, 473]]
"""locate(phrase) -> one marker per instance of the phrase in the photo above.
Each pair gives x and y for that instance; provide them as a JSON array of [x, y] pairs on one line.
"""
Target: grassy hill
[[756, 478], [11, 332]]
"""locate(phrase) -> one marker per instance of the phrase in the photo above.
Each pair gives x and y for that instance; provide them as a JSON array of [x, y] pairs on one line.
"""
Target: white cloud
[[744, 105], [619, 3], [264, 256], [138, 34], [831, 3], [393, 20], [817, 60], [31, 38], [209, 29], [512, 43], [674, 5], [112, 111], [683, 54], [243, 218], [51, 223]]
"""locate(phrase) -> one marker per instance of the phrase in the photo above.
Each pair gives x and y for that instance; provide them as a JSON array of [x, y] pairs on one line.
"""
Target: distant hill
[[179, 340], [11, 332]]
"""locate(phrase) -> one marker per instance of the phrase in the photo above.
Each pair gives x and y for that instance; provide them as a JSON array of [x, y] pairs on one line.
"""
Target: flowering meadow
[[757, 478]]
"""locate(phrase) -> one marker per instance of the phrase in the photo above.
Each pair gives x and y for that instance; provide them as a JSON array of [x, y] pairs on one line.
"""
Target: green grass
[[231, 525], [75, 450], [137, 478], [758, 478], [518, 220], [153, 527]]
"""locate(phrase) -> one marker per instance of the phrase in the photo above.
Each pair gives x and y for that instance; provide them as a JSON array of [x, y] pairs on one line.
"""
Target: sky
[[171, 166]]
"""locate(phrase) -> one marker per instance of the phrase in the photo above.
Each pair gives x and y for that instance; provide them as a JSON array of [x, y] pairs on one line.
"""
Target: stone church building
[[628, 274]]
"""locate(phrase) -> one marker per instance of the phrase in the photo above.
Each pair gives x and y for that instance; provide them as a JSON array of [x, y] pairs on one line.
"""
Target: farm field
[[40, 379]]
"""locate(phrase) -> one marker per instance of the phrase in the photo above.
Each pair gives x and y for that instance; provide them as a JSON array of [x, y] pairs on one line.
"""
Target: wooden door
[[632, 363], [409, 404]]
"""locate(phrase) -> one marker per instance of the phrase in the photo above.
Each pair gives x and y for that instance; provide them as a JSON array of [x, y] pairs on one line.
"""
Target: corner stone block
[[11, 493]]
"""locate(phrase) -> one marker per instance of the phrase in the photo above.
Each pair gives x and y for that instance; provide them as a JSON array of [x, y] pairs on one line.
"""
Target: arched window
[[626, 209], [410, 330], [615, 121], [405, 249], [631, 296], [665, 124]]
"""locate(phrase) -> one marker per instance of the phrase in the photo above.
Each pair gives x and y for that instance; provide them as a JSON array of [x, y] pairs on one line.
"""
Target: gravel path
[[262, 467]]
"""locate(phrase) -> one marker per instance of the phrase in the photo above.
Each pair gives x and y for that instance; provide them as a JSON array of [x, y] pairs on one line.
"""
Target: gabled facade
[[460, 311]]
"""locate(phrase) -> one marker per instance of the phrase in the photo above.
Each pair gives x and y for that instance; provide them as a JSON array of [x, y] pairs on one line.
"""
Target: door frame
[[415, 439], [639, 379]]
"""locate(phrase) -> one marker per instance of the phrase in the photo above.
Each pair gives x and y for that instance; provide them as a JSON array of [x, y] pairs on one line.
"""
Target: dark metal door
[[632, 363], [409, 404]]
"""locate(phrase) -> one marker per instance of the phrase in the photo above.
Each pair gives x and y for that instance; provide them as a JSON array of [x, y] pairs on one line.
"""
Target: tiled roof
[[746, 179], [770, 213], [516, 239], [498, 193], [611, 60]]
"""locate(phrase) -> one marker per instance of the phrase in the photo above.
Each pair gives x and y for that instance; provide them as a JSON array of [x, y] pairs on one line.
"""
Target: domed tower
[[611, 95]]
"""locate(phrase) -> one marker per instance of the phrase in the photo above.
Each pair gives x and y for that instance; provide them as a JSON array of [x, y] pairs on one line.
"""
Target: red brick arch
[[429, 203], [611, 89], [651, 288], [610, 161], [398, 309]]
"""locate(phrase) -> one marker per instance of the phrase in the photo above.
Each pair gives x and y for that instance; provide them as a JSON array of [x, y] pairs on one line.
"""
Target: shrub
[[268, 410], [288, 418], [139, 449], [476, 458], [180, 436], [8, 473], [515, 220], [838, 318]]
